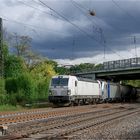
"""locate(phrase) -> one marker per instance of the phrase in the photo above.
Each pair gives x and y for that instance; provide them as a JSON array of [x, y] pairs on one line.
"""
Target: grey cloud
[[116, 22]]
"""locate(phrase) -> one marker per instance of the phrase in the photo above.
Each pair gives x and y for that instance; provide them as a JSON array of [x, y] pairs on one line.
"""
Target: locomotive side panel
[[88, 88]]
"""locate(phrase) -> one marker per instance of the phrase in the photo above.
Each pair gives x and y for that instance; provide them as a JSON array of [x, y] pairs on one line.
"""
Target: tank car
[[127, 92], [110, 91]]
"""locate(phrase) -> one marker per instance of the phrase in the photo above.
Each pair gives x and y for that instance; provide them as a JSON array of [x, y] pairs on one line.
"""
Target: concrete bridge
[[127, 69]]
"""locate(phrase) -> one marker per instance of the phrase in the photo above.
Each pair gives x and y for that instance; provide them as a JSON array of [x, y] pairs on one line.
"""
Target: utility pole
[[135, 46], [1, 51], [103, 40], [2, 89]]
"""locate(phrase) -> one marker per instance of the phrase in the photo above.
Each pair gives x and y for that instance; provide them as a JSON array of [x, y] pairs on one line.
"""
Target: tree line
[[27, 74]]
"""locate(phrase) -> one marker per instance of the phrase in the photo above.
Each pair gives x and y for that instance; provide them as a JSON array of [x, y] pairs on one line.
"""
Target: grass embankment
[[10, 108]]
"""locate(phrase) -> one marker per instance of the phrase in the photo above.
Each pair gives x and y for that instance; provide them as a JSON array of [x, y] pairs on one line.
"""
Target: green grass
[[10, 108]]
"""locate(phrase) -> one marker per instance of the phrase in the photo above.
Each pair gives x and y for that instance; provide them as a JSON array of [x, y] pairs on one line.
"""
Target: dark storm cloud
[[56, 38], [10, 3], [120, 24]]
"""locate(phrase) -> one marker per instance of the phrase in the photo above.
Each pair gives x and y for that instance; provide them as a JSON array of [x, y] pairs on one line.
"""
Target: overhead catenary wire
[[73, 24], [79, 27], [126, 12], [76, 26], [100, 30], [135, 46], [33, 27], [118, 55], [80, 8], [1, 51], [23, 2]]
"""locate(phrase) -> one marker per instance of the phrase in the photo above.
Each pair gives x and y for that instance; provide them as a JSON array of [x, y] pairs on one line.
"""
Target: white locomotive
[[66, 89]]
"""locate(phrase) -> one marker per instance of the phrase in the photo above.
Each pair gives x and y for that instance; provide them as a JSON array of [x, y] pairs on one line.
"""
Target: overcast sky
[[64, 30]]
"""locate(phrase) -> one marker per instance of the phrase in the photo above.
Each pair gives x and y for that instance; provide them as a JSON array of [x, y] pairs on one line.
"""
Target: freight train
[[66, 89]]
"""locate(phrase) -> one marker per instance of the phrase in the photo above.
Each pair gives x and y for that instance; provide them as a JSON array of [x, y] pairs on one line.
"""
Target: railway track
[[104, 121], [64, 122], [9, 118], [73, 127], [33, 115], [72, 119]]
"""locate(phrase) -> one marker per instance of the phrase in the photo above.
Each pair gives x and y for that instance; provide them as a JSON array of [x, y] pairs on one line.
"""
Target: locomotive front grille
[[59, 98]]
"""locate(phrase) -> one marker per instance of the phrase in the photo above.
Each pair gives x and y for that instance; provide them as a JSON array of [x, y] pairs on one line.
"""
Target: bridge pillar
[[91, 76]]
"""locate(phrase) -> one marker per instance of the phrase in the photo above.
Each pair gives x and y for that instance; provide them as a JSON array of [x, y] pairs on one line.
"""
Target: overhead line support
[[1, 51]]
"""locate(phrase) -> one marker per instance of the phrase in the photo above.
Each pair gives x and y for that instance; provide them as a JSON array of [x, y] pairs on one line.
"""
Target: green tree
[[134, 83], [42, 75], [21, 44], [83, 67], [14, 66]]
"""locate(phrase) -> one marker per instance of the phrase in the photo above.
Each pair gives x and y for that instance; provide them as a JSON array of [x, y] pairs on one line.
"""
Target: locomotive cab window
[[59, 81]]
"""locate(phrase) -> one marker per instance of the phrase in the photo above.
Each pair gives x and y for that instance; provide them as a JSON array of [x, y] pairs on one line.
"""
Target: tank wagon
[[66, 89]]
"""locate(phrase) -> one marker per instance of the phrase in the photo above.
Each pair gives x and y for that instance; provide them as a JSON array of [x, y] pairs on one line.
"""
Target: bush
[[42, 89], [20, 89], [24, 89], [2, 86], [3, 99], [26, 83], [14, 66], [11, 85]]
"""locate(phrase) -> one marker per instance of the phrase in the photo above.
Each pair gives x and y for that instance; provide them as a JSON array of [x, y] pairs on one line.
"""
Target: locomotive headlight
[[50, 92], [69, 92]]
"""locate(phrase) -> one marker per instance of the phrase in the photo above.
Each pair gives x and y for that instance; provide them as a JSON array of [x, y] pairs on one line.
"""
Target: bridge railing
[[125, 63], [111, 65]]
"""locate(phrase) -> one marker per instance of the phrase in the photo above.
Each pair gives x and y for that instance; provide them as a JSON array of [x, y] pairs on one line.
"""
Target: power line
[[79, 7], [23, 2], [97, 29], [135, 46], [73, 24], [76, 26], [1, 51], [33, 27], [100, 30], [127, 13], [59, 32]]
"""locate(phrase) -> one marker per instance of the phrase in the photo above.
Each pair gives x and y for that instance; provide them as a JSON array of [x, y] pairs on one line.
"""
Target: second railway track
[[66, 123], [65, 129]]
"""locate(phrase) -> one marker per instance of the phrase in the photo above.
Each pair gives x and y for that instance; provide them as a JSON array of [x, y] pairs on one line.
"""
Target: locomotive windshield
[[59, 81]]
